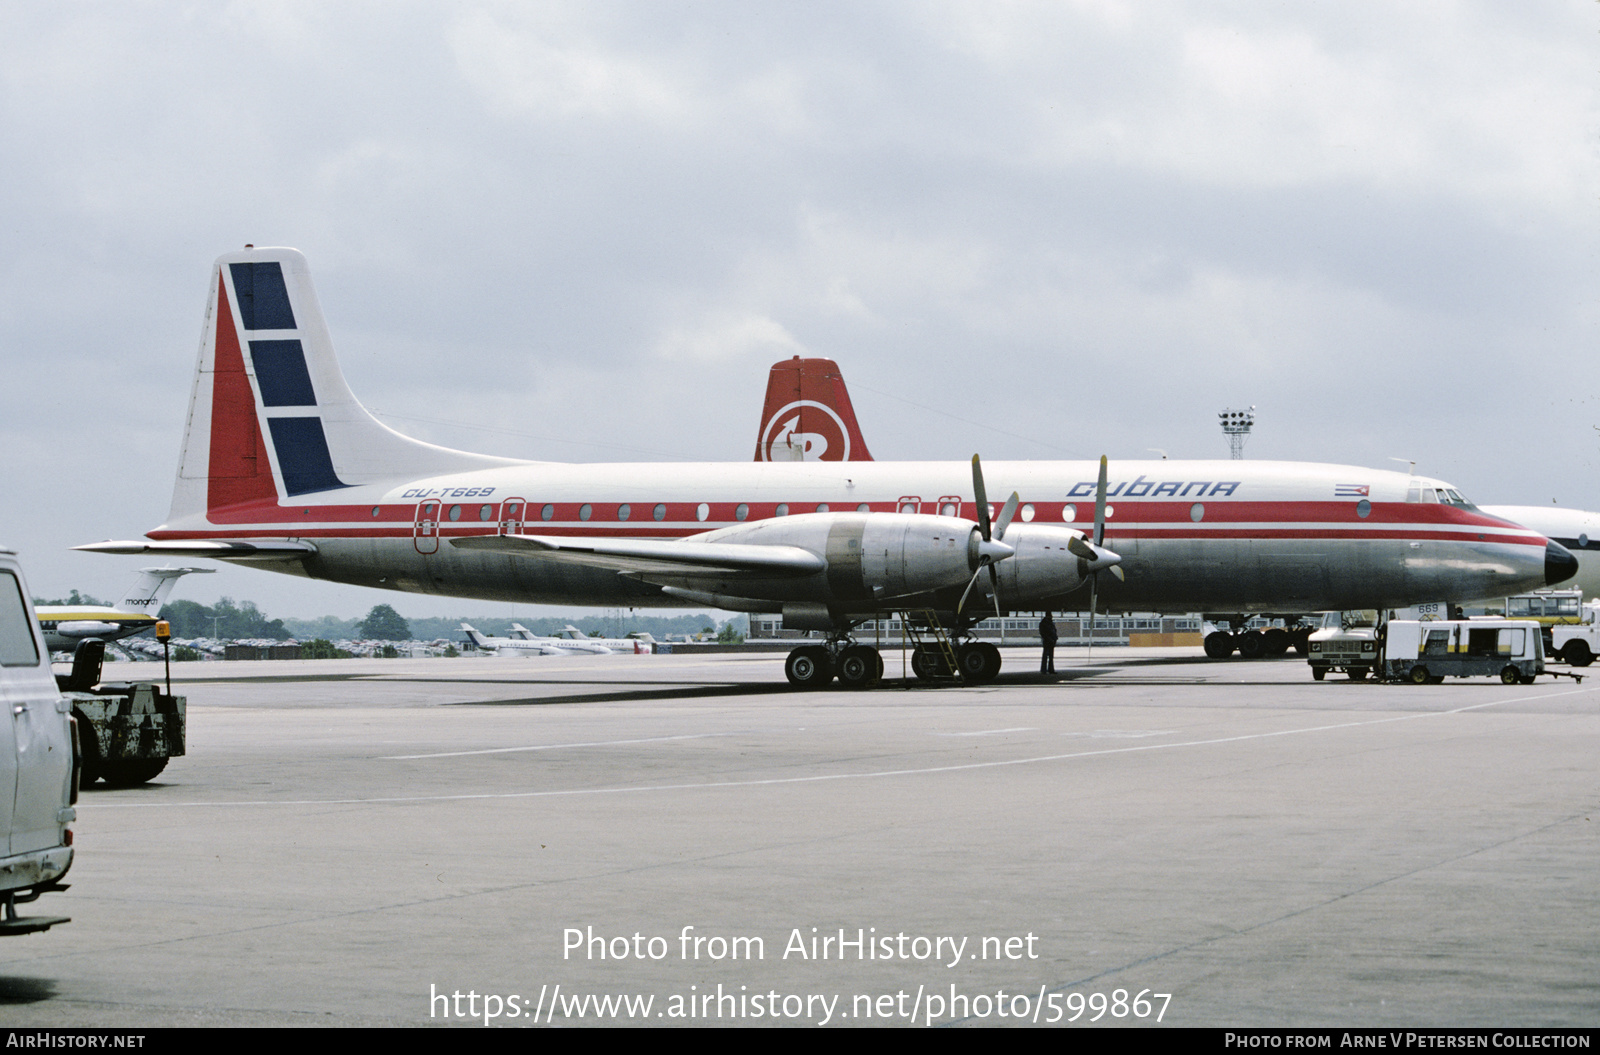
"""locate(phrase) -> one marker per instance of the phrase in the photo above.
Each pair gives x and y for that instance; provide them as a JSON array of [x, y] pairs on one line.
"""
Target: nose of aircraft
[[1559, 564]]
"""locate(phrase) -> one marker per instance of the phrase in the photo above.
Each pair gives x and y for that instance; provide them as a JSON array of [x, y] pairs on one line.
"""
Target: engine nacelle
[[1042, 567], [86, 628], [872, 558]]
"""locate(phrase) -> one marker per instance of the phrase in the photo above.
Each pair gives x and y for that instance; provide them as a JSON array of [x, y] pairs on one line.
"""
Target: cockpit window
[[17, 648]]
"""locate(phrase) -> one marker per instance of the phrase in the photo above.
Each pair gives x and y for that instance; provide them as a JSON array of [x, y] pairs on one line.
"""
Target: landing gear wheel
[[1219, 645], [93, 769], [928, 664], [1419, 675], [1318, 673], [979, 660], [1577, 653], [808, 667], [860, 667], [1252, 644], [1510, 675], [128, 774], [1275, 641], [1302, 641]]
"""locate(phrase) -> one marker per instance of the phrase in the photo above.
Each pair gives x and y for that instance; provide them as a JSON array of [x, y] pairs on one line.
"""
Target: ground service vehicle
[[38, 768], [1571, 632], [126, 730], [1347, 643], [1425, 653]]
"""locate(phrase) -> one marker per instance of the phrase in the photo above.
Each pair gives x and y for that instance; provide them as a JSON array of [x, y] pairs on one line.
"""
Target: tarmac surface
[[355, 842]]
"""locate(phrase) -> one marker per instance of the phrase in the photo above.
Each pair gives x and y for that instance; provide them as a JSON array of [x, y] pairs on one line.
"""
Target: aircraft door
[[425, 533], [909, 504], [512, 512]]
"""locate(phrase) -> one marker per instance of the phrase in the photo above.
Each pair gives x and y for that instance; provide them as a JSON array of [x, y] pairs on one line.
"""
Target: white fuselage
[[1215, 536]]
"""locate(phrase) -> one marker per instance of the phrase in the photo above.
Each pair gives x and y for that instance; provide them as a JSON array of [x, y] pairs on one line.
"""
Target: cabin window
[[702, 511], [1027, 513], [863, 508], [1197, 512], [624, 511], [782, 510], [822, 507], [455, 512], [585, 511], [548, 512], [1363, 509], [741, 511], [660, 511], [376, 510], [1069, 512], [486, 512]]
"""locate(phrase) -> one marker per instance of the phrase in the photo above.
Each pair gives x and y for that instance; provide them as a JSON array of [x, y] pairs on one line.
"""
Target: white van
[[38, 767]]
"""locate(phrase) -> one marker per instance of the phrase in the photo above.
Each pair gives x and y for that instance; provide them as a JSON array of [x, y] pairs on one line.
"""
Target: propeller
[[991, 547], [1093, 558]]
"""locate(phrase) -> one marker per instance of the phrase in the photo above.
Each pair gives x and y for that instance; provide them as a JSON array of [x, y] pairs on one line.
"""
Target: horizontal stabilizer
[[649, 555], [269, 549]]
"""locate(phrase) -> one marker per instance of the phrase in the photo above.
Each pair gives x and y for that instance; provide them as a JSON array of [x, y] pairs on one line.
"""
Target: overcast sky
[[584, 232]]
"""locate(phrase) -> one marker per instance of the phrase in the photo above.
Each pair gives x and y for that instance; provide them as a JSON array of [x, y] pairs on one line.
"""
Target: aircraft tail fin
[[149, 591], [807, 415], [270, 415], [477, 638]]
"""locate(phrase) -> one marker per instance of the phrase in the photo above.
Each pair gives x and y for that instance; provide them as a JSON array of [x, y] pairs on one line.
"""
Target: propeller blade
[[1116, 569], [1100, 505], [1081, 549], [1006, 514], [982, 498], [994, 583], [1094, 583], [962, 604]]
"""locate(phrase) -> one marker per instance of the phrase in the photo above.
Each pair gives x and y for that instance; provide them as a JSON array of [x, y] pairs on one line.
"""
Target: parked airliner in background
[[1577, 530], [283, 468], [530, 645], [65, 626], [635, 642]]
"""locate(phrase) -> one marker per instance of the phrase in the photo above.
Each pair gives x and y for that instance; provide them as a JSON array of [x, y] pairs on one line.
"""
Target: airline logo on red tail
[[785, 438], [807, 415]]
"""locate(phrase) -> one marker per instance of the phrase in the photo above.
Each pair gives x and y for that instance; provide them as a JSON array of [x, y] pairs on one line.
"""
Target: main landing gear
[[859, 666], [1259, 644], [814, 666]]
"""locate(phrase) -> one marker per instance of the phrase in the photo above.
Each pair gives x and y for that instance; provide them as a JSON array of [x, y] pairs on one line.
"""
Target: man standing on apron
[[1047, 634]]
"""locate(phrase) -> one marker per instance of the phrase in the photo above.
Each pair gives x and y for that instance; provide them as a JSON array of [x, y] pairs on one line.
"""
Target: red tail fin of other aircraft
[[808, 416]]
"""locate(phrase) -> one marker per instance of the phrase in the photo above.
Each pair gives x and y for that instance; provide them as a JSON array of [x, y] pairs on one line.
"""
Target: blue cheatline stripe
[[263, 298], [281, 373], [303, 455]]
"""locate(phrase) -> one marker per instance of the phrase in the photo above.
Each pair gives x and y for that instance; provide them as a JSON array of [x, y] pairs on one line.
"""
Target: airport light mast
[[1236, 426]]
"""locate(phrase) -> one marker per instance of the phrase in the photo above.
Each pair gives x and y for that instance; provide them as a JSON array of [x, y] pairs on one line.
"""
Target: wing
[[267, 549], [649, 558]]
